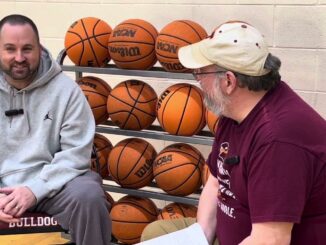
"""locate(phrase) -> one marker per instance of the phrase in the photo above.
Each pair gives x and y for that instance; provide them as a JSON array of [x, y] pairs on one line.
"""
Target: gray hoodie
[[51, 143]]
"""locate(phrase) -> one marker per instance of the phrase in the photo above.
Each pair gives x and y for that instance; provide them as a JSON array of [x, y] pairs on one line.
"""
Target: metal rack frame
[[153, 132]]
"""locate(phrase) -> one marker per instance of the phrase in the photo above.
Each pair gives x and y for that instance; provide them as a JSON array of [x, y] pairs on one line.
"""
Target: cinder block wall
[[295, 29]]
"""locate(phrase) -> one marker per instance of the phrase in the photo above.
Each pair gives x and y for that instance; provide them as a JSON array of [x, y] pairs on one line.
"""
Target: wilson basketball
[[177, 211], [97, 101], [130, 215], [86, 42], [180, 110], [101, 149], [132, 105], [211, 120], [177, 169], [132, 44], [130, 163], [205, 174], [173, 36], [96, 91]]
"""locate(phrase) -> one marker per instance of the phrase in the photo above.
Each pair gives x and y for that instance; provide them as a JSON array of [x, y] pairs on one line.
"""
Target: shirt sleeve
[[279, 182]]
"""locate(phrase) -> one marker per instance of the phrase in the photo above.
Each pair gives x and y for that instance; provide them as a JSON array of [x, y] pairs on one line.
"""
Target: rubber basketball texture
[[130, 215], [130, 163], [96, 91], [181, 110], [101, 149], [173, 36], [177, 211], [211, 121], [132, 44], [177, 169], [132, 105], [86, 42]]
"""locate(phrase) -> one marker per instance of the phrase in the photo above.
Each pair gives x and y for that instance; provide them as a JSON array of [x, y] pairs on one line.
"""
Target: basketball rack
[[153, 132]]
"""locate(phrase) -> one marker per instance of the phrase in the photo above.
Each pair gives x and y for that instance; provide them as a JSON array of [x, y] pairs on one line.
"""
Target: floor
[[33, 239]]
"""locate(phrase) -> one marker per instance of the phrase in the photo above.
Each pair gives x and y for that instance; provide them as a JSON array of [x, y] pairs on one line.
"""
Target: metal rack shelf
[[153, 132]]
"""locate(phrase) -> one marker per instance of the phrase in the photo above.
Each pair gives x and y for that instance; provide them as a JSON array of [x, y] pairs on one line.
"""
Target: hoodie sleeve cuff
[[38, 187]]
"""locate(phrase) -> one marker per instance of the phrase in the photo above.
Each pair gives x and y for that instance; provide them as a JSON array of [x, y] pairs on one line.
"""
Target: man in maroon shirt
[[268, 161]]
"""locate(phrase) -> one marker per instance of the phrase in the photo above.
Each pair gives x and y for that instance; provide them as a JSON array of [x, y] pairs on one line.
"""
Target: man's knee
[[163, 227]]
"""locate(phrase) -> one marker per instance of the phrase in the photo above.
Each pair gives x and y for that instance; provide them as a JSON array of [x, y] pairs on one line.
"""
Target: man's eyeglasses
[[199, 75]]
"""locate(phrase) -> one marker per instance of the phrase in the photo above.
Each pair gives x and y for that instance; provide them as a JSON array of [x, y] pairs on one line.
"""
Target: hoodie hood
[[47, 70]]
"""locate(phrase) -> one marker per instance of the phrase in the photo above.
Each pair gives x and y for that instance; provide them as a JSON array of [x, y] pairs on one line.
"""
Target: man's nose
[[19, 57]]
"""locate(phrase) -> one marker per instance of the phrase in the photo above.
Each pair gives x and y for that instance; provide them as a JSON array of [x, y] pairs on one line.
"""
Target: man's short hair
[[17, 19]]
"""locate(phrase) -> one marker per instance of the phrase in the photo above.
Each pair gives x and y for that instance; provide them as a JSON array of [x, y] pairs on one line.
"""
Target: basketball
[[180, 110], [132, 105], [211, 120], [86, 42], [130, 163], [177, 169], [173, 36], [132, 44], [130, 215], [101, 149], [96, 91], [177, 211], [205, 174]]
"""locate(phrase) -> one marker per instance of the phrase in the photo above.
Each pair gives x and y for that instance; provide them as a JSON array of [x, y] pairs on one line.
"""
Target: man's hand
[[16, 202], [6, 217]]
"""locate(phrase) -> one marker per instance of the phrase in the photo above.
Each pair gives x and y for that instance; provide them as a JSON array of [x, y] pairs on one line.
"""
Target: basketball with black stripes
[[180, 110], [130, 163], [132, 44], [211, 121], [130, 215], [132, 105], [177, 211], [177, 169], [173, 36], [96, 91], [101, 149], [86, 42]]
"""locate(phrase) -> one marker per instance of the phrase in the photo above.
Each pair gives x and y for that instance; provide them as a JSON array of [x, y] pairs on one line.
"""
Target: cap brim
[[191, 56]]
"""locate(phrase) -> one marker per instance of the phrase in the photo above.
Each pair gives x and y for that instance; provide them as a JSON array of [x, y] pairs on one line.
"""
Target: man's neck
[[243, 103]]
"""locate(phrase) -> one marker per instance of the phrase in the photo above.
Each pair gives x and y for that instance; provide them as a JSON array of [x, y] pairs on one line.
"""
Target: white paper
[[193, 235]]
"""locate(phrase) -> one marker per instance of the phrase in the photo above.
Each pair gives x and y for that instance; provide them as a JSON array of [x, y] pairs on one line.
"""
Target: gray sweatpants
[[81, 207]]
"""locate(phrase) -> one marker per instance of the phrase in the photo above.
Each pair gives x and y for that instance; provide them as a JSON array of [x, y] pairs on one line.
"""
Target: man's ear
[[230, 82]]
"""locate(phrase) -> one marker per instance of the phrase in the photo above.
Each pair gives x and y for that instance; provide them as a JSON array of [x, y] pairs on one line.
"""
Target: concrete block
[[298, 67], [321, 104], [300, 26], [321, 70]]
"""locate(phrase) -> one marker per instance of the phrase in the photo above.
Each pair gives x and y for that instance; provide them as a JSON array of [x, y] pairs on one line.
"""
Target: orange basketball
[[177, 211], [86, 42], [173, 36], [177, 169], [96, 91], [205, 174], [211, 120], [132, 44], [130, 215], [130, 163], [180, 110], [101, 150], [132, 105]]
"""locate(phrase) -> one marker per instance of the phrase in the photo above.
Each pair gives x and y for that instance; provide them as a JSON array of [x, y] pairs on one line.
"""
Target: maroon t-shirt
[[272, 167]]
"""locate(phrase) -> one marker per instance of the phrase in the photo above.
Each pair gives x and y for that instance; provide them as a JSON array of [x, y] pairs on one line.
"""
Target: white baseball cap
[[236, 46]]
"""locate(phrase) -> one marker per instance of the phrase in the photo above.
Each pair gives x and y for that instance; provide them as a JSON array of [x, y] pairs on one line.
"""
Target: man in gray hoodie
[[46, 136]]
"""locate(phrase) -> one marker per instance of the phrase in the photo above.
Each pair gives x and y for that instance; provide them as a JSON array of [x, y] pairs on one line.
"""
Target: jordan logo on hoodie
[[47, 116]]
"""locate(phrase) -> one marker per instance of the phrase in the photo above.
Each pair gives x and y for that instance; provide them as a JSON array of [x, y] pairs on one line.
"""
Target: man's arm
[[269, 233], [206, 215]]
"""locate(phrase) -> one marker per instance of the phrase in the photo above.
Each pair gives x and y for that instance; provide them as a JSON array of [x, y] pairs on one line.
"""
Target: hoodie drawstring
[[25, 113]]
